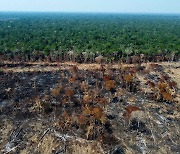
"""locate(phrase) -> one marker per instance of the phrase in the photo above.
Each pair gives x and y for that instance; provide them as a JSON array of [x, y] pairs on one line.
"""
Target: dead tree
[[70, 55], [85, 56], [128, 51], [92, 57], [99, 59]]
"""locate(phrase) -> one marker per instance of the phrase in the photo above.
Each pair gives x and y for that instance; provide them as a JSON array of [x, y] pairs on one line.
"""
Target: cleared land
[[89, 108]]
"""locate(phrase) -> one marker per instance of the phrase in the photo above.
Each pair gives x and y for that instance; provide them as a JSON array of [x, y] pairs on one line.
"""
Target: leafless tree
[[128, 51], [92, 57], [85, 56], [99, 59], [70, 55]]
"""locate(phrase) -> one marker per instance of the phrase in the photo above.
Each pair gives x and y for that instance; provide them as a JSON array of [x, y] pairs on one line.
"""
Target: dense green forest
[[28, 33]]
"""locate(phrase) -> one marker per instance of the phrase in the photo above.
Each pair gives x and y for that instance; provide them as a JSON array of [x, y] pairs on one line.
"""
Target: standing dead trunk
[[85, 56], [71, 55], [92, 57], [99, 59]]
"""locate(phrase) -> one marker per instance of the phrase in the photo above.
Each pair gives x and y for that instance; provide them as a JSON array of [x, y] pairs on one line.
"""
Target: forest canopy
[[103, 33]]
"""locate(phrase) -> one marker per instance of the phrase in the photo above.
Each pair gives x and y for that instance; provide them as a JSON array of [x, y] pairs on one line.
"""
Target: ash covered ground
[[90, 108]]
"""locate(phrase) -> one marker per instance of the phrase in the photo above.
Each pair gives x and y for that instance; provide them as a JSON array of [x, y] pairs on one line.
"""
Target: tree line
[[84, 37]]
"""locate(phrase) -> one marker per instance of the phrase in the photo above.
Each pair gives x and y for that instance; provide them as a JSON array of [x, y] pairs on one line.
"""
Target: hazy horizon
[[113, 13], [93, 6]]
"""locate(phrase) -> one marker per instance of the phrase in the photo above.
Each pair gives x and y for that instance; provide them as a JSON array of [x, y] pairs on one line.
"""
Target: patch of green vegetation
[[105, 33]]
